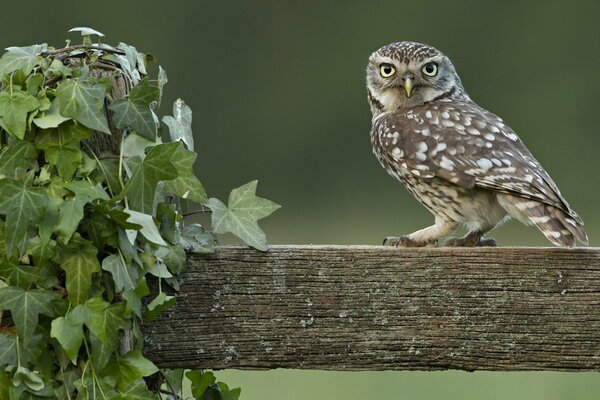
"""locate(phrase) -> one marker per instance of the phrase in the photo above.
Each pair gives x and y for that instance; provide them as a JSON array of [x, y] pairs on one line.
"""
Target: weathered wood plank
[[376, 308]]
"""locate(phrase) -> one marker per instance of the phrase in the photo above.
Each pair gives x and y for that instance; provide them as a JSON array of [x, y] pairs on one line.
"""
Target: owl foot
[[405, 241], [471, 239]]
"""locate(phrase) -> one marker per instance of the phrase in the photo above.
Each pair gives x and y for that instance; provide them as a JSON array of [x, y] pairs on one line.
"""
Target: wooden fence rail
[[380, 308]]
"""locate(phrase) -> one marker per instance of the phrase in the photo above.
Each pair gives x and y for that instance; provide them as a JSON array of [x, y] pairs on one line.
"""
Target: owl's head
[[406, 74]]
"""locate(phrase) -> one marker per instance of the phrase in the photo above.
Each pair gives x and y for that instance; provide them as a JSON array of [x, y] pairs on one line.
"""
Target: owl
[[460, 161]]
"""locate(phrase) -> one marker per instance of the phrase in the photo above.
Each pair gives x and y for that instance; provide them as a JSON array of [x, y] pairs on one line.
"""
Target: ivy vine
[[92, 192]]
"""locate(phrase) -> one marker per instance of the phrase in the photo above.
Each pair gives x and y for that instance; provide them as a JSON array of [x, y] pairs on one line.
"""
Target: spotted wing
[[468, 146]]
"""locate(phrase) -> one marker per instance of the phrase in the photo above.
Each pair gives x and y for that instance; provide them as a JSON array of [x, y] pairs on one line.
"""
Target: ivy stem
[[112, 194], [94, 377], [125, 269], [10, 84], [18, 353], [121, 170]]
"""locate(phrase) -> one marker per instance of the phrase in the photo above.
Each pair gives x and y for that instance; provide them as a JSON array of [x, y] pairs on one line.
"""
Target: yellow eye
[[386, 70], [430, 69]]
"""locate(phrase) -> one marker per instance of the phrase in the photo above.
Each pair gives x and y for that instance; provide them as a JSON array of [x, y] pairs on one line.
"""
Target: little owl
[[463, 163]]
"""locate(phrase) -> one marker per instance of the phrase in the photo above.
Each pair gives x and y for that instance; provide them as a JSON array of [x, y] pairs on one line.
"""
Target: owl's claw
[[405, 241], [471, 239]]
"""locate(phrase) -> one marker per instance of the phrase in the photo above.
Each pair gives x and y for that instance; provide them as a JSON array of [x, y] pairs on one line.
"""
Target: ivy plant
[[93, 187]]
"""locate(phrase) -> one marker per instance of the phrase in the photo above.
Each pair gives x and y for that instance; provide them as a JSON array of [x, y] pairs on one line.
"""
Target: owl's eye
[[386, 70], [430, 69]]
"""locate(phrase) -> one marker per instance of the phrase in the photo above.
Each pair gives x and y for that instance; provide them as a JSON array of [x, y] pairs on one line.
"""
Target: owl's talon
[[489, 242], [405, 241], [470, 240]]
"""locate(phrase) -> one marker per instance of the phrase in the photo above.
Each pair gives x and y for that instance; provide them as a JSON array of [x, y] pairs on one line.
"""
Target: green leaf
[[133, 366], [158, 304], [135, 145], [136, 391], [180, 124], [70, 336], [134, 110], [124, 276], [31, 379], [229, 394], [19, 275], [134, 298], [33, 83], [51, 118], [19, 154], [57, 68], [196, 239], [14, 108], [241, 215], [186, 185], [200, 381], [71, 212], [148, 226], [22, 206], [62, 147], [112, 319], [8, 350], [25, 306], [174, 378], [162, 81], [21, 58], [146, 174], [168, 217], [86, 31], [174, 258], [83, 101], [79, 262]]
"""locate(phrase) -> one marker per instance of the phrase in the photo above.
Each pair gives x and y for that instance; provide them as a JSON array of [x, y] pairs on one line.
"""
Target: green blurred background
[[277, 89]]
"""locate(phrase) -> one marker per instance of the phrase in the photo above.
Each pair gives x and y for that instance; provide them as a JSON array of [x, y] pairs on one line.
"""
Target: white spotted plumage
[[459, 160]]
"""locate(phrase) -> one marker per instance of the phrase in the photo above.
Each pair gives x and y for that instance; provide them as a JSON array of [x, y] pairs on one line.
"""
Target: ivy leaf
[[148, 226], [112, 318], [71, 212], [162, 81], [19, 275], [135, 145], [133, 366], [83, 101], [155, 167], [134, 298], [186, 185], [70, 336], [62, 147], [86, 31], [19, 154], [31, 379], [22, 206], [158, 304], [14, 108], [8, 350], [21, 58], [136, 391], [196, 239], [25, 306], [134, 110], [180, 124], [79, 262], [125, 276], [51, 118], [200, 381], [241, 214]]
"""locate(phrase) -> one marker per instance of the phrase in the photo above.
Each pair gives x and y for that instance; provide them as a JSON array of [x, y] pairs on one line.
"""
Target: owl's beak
[[408, 85]]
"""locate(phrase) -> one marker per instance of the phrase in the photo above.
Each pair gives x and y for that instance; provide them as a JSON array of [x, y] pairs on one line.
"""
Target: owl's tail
[[559, 227]]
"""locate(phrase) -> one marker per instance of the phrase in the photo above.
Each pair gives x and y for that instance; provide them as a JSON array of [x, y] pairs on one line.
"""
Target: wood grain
[[380, 308]]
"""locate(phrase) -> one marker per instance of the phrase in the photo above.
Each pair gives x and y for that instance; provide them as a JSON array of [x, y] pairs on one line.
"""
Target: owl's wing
[[468, 146]]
